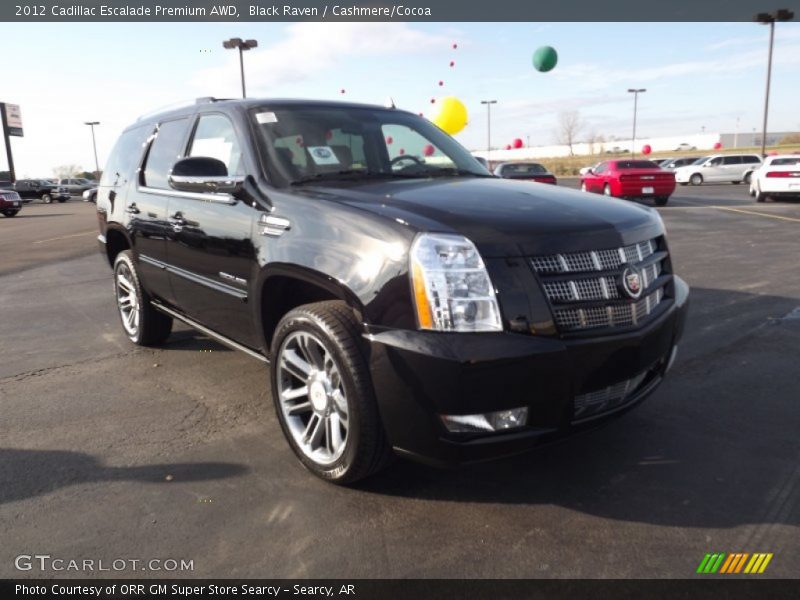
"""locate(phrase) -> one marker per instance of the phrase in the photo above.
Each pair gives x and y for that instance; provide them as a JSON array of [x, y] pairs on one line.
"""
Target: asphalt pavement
[[108, 451]]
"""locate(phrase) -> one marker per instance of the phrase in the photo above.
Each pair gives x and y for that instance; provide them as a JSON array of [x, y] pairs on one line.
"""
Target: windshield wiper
[[450, 172], [352, 175]]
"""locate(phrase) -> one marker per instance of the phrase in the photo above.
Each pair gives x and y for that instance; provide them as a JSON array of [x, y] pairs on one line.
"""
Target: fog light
[[672, 356], [493, 421]]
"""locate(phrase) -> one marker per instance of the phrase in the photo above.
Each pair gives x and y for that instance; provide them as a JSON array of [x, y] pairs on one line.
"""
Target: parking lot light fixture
[[488, 104], [242, 46], [770, 19], [635, 92], [94, 146]]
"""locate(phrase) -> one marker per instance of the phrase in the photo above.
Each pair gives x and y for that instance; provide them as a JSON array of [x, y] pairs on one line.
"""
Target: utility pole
[[635, 92], [770, 19], [94, 145], [242, 45], [488, 104]]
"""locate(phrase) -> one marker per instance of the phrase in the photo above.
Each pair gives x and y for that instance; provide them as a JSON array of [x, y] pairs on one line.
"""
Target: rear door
[[148, 201], [733, 168], [210, 249], [713, 170]]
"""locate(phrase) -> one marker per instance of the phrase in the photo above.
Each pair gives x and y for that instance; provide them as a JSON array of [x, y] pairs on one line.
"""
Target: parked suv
[[29, 189], [407, 301], [719, 168], [10, 202], [76, 185]]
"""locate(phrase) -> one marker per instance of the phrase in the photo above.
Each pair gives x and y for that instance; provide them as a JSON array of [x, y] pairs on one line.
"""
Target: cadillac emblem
[[631, 283]]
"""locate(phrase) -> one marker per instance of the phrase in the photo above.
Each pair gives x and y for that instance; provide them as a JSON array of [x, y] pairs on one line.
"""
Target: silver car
[[719, 168]]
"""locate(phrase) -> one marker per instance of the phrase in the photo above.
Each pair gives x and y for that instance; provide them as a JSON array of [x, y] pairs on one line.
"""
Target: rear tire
[[142, 323], [607, 190], [760, 196], [696, 179], [662, 200], [323, 393], [62, 200]]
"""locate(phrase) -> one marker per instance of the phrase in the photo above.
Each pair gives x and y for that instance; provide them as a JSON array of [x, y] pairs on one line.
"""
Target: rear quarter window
[[125, 156]]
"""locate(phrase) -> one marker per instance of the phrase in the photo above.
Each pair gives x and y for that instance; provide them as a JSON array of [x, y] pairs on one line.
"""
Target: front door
[[210, 250]]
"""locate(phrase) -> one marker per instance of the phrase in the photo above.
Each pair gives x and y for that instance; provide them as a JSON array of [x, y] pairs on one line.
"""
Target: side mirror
[[204, 175]]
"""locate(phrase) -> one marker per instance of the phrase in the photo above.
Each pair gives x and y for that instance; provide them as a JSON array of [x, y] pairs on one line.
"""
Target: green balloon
[[545, 58]]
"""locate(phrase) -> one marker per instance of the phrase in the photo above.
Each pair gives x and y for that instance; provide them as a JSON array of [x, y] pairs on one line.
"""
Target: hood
[[502, 217]]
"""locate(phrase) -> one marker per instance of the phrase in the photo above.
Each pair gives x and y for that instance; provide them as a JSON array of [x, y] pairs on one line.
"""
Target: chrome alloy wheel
[[312, 397], [127, 299]]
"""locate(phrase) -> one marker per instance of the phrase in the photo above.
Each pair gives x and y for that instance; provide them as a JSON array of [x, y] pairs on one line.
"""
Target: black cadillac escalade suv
[[408, 301]]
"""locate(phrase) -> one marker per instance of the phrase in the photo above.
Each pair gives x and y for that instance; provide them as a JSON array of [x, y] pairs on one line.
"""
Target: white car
[[778, 176], [719, 168], [583, 171]]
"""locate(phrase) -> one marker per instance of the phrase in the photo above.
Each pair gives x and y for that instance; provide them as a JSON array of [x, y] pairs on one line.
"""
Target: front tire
[[142, 323], [323, 393], [47, 198], [10, 213], [583, 186], [747, 177]]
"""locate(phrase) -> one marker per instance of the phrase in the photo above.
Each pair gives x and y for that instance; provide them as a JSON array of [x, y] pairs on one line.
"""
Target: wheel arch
[[282, 287], [117, 240]]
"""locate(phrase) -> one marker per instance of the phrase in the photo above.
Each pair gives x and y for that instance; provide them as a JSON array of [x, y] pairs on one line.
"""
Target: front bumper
[[420, 375]]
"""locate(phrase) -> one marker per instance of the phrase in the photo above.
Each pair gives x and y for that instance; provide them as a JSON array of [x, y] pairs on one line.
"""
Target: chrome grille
[[595, 283], [603, 400]]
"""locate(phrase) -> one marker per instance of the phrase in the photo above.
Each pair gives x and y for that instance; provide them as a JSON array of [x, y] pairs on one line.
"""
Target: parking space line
[[760, 214], [63, 237]]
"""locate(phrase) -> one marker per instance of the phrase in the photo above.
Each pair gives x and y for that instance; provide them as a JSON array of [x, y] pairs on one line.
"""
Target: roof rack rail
[[209, 99]]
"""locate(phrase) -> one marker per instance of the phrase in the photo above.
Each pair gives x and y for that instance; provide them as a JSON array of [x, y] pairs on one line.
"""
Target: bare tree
[[569, 127], [66, 171]]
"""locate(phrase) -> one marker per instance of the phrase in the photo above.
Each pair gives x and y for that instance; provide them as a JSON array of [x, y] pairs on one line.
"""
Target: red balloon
[[717, 146], [441, 83], [452, 63], [401, 151], [389, 140], [428, 150], [517, 143], [646, 149]]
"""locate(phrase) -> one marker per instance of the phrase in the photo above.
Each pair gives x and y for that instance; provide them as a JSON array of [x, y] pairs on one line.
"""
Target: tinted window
[[636, 164], [524, 169], [601, 168], [166, 149], [779, 162], [216, 138], [749, 160], [732, 160], [125, 156], [715, 162]]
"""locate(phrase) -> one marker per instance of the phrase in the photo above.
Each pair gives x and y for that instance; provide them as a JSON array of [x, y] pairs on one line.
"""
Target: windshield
[[700, 161], [316, 143]]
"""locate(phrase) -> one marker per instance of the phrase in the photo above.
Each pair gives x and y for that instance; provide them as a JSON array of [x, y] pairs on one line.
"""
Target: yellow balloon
[[452, 116]]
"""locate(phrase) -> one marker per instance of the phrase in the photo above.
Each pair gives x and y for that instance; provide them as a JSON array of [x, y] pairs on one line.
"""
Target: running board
[[209, 332]]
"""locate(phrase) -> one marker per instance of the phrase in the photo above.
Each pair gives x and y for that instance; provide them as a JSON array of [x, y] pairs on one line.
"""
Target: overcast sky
[[697, 75]]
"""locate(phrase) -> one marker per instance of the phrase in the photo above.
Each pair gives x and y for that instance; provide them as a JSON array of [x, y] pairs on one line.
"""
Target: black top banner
[[390, 10]]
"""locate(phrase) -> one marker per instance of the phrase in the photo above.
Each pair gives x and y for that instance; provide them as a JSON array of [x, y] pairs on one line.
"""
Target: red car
[[630, 179], [526, 172]]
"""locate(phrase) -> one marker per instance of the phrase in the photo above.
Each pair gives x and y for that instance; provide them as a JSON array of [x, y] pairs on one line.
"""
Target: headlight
[[452, 290]]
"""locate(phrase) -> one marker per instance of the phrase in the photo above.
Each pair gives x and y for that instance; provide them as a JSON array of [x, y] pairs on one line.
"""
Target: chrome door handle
[[177, 222]]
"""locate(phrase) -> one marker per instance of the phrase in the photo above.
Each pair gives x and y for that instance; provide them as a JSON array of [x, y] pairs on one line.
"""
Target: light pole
[[488, 104], [770, 19], [242, 45], [635, 93], [94, 145]]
